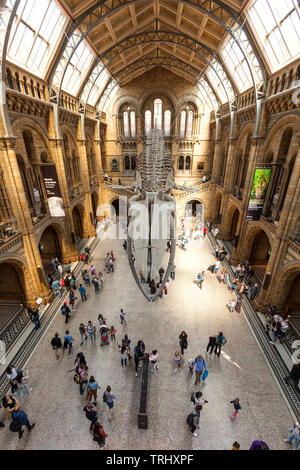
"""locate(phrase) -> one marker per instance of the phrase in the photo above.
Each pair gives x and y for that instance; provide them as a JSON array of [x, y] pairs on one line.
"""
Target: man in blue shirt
[[200, 367], [82, 292]]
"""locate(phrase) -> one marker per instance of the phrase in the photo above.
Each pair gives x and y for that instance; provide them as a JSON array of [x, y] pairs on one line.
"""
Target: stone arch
[[78, 220], [194, 202], [52, 245], [115, 203], [156, 92], [122, 100], [22, 124], [291, 120], [217, 206], [232, 220], [256, 248], [288, 289], [95, 199], [193, 99], [15, 281]]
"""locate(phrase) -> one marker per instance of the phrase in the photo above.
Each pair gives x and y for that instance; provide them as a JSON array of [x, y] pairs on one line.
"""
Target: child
[[122, 317], [178, 361], [191, 367], [153, 360], [232, 304], [112, 333], [237, 407]]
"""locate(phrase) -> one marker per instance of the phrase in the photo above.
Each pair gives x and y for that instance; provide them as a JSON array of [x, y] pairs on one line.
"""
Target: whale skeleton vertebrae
[[152, 213]]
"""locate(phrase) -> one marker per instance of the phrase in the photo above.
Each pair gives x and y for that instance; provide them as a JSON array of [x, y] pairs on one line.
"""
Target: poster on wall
[[54, 198], [258, 192]]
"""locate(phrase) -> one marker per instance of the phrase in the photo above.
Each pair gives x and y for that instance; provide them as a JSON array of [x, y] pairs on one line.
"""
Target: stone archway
[[116, 205], [260, 253], [195, 206], [77, 215], [234, 224], [50, 247], [15, 289]]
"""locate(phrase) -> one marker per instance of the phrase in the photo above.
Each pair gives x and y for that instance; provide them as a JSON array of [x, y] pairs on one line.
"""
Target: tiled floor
[[241, 371]]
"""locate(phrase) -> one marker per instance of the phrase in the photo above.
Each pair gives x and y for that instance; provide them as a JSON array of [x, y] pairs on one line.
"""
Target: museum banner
[[54, 198], [258, 192]]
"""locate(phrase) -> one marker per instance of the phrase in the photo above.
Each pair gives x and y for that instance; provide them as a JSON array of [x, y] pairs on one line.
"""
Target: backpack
[[76, 378], [64, 310], [224, 340], [193, 397], [14, 426], [190, 419]]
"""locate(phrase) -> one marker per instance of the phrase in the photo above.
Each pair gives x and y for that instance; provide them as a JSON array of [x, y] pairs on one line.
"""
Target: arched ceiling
[[144, 16]]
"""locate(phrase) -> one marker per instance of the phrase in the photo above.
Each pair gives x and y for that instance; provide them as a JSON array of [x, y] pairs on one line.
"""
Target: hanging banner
[[54, 198], [258, 192]]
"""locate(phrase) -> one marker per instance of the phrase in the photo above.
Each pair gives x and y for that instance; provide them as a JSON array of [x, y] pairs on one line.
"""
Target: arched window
[[181, 163], [188, 163], [147, 122], [132, 124], [133, 163], [126, 124], [189, 126], [158, 113], [127, 163], [167, 123], [182, 123]]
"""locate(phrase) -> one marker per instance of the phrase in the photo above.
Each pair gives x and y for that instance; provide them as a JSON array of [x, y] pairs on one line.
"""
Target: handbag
[[205, 374]]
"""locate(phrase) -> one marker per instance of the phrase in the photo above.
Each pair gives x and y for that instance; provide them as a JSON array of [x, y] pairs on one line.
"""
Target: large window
[[167, 123], [158, 113], [277, 24], [126, 124], [186, 122], [36, 31], [237, 64], [217, 84], [98, 87], [148, 115], [77, 68]]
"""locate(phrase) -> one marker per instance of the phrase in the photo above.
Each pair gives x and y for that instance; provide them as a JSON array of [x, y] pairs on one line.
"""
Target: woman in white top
[[153, 360]]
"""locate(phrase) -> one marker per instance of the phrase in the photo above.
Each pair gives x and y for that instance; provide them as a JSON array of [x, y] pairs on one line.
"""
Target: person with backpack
[[82, 378], [66, 311], [91, 389], [139, 352], [200, 279], [200, 367], [20, 419], [80, 361], [211, 343], [109, 398], [103, 329], [91, 414], [197, 398], [91, 329], [183, 342], [99, 434], [68, 341], [82, 292], [72, 300], [221, 340], [237, 407], [124, 352], [193, 420], [82, 331]]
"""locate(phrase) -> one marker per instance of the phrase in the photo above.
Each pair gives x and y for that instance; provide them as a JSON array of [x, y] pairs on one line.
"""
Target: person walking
[[83, 378], [217, 266], [178, 361], [56, 345], [80, 361], [183, 342], [211, 343], [236, 406], [68, 341], [294, 436], [99, 435], [122, 317], [109, 398], [82, 291], [112, 333], [294, 376], [153, 360], [254, 291], [193, 420], [11, 375], [91, 413], [161, 273], [91, 329], [82, 331], [21, 419], [95, 282], [221, 340], [91, 389], [139, 352], [200, 367], [22, 383], [124, 351], [200, 278], [72, 300], [66, 312]]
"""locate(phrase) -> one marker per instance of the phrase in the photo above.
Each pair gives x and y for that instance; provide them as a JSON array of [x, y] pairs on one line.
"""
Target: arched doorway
[[49, 247], [260, 253], [115, 204], [77, 221], [293, 298], [194, 207], [12, 290], [94, 204], [234, 224]]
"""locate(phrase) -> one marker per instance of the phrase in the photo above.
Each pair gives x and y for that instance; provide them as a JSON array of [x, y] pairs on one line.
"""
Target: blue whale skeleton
[[152, 213]]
